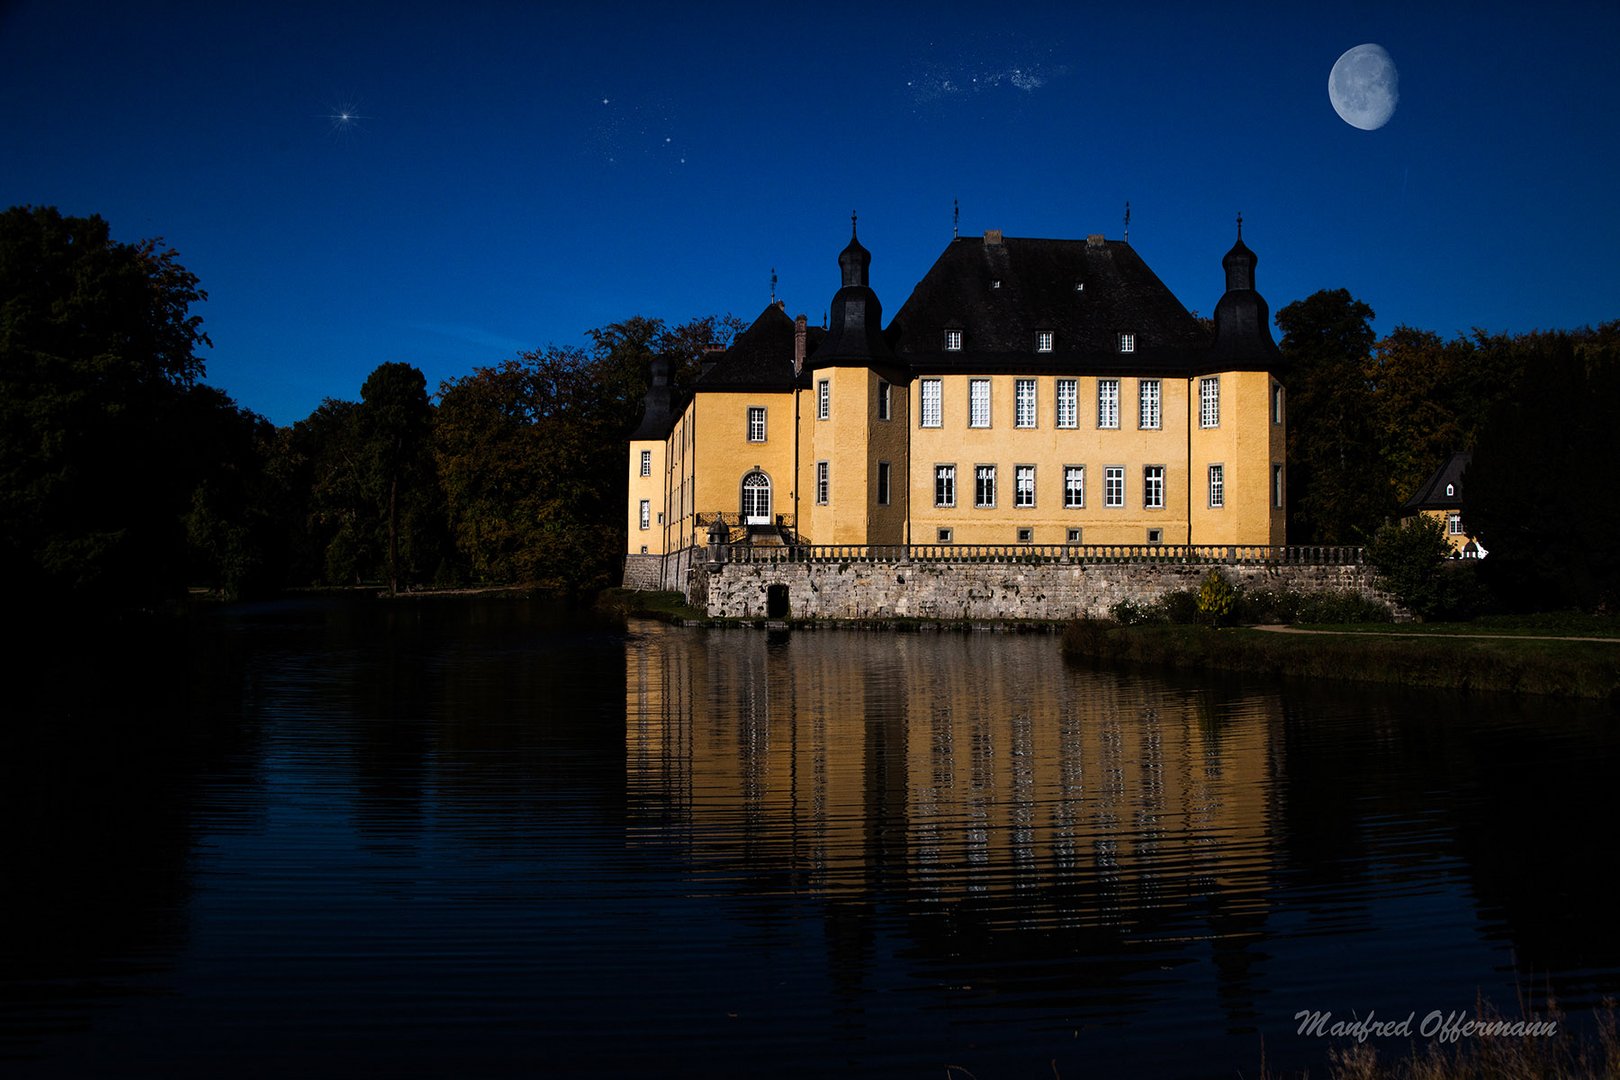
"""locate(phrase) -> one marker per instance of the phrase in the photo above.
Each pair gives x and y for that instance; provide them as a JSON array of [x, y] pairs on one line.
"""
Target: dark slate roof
[[1432, 495], [760, 359], [1242, 318], [1038, 291], [658, 416], [855, 336]]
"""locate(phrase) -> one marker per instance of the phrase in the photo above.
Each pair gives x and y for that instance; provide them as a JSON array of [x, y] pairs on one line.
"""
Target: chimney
[[799, 333], [992, 238], [1096, 239], [711, 357]]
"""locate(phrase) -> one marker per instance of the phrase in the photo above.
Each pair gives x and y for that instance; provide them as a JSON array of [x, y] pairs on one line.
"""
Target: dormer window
[[1451, 489], [1043, 341], [1127, 343], [995, 283], [953, 341], [1079, 286]]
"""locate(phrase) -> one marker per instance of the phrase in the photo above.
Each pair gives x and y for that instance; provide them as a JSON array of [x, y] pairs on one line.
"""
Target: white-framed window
[[1043, 341], [1024, 485], [944, 485], [885, 400], [646, 513], [984, 485], [646, 463], [1074, 487], [1209, 402], [1148, 403], [756, 423], [1024, 403], [930, 414], [1153, 487], [1217, 486], [1114, 486], [978, 403], [1451, 489], [1108, 403], [1277, 486], [823, 399], [1454, 524], [1026, 534], [823, 483], [943, 536], [1068, 403], [1127, 343], [1276, 403], [953, 341], [1074, 536], [883, 483]]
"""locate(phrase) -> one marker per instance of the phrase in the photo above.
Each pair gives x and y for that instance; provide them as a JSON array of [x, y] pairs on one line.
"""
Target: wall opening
[[776, 602]]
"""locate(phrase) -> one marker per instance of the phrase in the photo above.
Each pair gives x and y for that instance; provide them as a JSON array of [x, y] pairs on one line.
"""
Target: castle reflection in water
[[1031, 793]]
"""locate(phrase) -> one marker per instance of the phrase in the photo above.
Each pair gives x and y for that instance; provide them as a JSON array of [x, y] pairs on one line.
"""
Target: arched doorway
[[756, 499]]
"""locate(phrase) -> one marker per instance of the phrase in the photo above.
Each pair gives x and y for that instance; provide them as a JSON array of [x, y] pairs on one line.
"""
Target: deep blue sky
[[519, 173]]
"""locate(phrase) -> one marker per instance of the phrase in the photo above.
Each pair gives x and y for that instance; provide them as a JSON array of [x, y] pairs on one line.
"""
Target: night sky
[[361, 183]]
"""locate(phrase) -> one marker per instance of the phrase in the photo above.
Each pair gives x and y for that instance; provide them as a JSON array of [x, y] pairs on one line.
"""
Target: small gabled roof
[[1001, 292], [1432, 495], [760, 359]]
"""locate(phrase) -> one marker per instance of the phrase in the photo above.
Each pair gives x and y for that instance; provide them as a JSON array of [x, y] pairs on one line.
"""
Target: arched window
[[756, 499]]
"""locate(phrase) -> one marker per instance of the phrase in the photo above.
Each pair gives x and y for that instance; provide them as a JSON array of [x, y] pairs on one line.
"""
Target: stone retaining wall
[[924, 590], [668, 573]]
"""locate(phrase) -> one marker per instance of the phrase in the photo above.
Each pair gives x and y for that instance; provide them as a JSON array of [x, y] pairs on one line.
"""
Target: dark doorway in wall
[[776, 605]]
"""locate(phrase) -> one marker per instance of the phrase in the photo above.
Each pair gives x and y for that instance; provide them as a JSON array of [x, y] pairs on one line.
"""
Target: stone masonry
[[972, 591]]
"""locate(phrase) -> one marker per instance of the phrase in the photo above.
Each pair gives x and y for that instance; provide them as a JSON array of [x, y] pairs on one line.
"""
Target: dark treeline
[[124, 479], [1370, 420]]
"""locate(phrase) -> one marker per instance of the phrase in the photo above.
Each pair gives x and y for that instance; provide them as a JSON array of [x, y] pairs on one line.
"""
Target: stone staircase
[[767, 536]]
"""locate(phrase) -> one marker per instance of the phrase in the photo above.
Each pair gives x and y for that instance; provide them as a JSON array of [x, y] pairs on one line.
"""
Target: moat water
[[493, 838]]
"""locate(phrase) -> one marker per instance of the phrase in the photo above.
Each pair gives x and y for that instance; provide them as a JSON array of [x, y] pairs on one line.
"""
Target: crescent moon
[[1364, 87]]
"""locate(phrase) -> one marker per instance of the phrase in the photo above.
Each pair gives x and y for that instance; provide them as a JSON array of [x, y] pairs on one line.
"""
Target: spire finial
[[773, 284], [956, 219], [1240, 224], [852, 224], [1127, 221]]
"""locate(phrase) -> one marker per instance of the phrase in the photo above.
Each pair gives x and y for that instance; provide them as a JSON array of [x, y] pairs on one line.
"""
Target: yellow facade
[[1451, 521], [1117, 423], [1133, 438], [648, 505], [850, 446]]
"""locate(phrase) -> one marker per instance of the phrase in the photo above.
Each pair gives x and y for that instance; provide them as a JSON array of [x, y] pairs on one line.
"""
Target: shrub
[[1087, 637], [1130, 613], [1266, 605], [1409, 558], [1341, 607], [1179, 607], [1216, 599]]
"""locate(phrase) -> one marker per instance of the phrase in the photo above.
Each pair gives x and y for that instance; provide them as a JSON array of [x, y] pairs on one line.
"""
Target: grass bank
[[665, 606], [1504, 663]]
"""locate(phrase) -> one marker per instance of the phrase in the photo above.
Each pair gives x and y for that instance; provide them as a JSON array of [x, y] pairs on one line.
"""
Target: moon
[[1364, 87]]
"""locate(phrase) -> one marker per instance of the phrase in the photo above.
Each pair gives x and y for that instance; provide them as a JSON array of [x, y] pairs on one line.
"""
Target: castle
[[1029, 392]]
